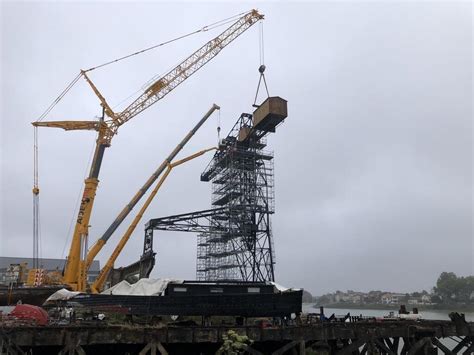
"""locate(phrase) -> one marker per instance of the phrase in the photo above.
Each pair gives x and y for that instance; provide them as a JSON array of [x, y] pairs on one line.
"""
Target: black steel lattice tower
[[239, 244], [235, 237]]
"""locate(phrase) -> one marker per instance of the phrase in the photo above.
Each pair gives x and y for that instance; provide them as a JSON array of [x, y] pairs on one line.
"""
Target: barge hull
[[262, 305]]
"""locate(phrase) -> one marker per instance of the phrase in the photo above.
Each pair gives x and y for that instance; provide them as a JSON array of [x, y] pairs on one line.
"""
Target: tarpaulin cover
[[30, 312], [62, 295], [282, 288], [143, 287]]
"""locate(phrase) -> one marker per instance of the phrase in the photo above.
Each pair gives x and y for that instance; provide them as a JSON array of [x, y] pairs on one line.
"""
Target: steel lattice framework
[[238, 245], [235, 238]]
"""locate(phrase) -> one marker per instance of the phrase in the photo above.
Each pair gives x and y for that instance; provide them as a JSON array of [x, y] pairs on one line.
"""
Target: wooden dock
[[338, 338]]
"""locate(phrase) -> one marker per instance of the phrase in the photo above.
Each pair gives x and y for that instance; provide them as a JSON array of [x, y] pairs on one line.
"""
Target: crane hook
[[261, 70]]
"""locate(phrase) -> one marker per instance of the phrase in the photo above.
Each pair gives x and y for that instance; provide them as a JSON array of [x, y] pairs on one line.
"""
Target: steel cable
[[203, 29]]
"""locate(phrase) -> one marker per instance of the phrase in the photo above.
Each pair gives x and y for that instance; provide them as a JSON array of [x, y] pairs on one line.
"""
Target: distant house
[[386, 298], [414, 300], [397, 297], [48, 264], [373, 297], [426, 299], [349, 297], [342, 297], [392, 298]]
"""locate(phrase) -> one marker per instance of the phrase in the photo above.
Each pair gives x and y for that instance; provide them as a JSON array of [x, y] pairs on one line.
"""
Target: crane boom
[[95, 249], [70, 125], [184, 70], [76, 265], [100, 280]]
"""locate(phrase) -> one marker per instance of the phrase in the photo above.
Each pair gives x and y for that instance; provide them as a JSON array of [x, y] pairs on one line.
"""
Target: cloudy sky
[[373, 166]]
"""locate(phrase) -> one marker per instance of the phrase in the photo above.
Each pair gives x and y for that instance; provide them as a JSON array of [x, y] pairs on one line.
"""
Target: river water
[[426, 314]]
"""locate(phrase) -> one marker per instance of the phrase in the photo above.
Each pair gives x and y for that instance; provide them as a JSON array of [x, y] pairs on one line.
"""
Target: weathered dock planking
[[367, 337]]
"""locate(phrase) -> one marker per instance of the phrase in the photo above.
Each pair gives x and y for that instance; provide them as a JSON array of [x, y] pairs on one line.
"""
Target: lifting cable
[[261, 44], [61, 95], [262, 67], [203, 29], [35, 201]]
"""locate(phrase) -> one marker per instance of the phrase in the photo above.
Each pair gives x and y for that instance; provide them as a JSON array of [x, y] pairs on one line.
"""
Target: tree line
[[453, 289]]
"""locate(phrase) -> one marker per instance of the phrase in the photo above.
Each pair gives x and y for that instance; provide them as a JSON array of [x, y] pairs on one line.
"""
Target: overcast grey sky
[[373, 166]]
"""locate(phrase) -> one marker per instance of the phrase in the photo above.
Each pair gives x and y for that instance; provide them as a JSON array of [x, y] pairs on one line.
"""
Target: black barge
[[195, 298]]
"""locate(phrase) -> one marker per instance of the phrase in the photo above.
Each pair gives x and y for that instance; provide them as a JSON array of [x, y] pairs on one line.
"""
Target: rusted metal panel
[[270, 114], [243, 133]]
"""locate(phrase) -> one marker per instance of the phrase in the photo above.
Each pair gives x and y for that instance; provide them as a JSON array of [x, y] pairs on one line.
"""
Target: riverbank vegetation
[[450, 293]]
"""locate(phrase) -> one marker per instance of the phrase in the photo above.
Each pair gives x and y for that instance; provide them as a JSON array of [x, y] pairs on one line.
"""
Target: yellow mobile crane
[[167, 164], [76, 266], [100, 281]]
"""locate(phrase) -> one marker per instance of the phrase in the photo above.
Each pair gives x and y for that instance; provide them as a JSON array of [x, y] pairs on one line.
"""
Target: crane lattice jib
[[185, 69]]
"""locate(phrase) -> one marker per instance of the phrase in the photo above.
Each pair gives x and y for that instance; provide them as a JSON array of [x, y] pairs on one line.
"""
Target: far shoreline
[[396, 307]]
